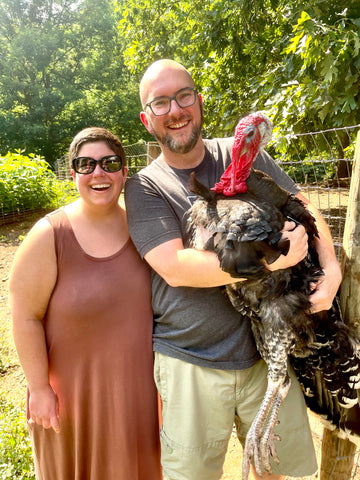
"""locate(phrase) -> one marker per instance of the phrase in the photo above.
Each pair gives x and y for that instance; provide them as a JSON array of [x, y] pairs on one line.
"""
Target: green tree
[[227, 45], [319, 72], [316, 84], [297, 60], [61, 70]]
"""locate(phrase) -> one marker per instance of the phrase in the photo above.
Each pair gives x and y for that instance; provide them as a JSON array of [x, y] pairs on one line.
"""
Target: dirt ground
[[12, 381]]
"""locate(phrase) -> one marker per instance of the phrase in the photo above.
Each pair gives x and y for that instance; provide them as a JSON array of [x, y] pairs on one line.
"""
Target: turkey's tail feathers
[[330, 374]]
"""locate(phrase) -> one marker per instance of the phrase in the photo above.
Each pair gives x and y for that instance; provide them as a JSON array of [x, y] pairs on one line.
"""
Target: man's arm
[[328, 285], [188, 267]]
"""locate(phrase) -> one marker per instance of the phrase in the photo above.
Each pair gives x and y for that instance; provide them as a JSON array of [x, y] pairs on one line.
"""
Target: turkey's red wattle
[[234, 178]]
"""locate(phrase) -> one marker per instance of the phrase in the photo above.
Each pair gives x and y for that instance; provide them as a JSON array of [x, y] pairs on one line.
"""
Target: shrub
[[28, 183]]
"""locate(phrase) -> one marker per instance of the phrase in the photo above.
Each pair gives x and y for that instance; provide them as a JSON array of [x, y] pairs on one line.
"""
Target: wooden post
[[153, 151], [337, 458], [350, 260]]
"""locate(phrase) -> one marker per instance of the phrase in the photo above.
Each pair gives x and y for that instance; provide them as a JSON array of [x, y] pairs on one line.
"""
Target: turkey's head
[[251, 135]]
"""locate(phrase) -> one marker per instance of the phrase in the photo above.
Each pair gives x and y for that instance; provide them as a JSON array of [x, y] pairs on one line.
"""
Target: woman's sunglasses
[[86, 165]]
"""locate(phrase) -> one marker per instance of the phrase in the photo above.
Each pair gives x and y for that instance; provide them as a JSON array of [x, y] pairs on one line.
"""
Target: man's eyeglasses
[[86, 165], [162, 105]]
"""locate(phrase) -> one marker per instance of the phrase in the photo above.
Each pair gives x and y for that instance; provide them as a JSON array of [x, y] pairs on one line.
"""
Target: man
[[207, 368]]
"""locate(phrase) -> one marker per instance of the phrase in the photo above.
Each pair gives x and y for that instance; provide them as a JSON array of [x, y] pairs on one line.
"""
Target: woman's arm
[[32, 279]]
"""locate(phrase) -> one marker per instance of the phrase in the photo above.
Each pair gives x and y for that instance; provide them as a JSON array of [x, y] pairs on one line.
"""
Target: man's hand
[[326, 288], [298, 238]]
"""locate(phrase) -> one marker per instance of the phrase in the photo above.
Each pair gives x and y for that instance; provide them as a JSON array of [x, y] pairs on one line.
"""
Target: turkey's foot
[[252, 450], [267, 443]]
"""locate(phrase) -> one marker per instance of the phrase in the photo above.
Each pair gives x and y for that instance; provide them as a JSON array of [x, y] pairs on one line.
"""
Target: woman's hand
[[44, 408]]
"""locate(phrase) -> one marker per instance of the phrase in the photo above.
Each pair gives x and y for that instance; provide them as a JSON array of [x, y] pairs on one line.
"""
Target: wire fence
[[320, 162]]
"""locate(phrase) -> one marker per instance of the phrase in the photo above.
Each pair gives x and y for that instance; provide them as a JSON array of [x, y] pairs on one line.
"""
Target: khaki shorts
[[200, 406]]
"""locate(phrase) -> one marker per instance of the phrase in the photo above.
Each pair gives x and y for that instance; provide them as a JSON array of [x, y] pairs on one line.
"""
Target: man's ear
[[144, 119]]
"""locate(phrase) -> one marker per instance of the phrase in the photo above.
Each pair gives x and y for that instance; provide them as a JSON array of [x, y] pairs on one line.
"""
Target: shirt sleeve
[[151, 219]]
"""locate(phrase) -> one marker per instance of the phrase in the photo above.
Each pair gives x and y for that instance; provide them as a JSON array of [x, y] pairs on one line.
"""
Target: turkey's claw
[[267, 443], [258, 449], [260, 440], [251, 452], [267, 448]]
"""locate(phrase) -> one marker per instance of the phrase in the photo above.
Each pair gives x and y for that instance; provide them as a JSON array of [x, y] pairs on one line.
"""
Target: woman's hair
[[95, 134]]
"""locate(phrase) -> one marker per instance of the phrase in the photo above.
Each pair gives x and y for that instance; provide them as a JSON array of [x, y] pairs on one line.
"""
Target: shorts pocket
[[204, 462]]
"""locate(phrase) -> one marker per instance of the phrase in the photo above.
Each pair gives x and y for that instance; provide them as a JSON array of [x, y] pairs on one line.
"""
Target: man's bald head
[[157, 70]]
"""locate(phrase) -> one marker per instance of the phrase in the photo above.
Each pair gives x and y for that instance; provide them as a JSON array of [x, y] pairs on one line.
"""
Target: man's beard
[[177, 147]]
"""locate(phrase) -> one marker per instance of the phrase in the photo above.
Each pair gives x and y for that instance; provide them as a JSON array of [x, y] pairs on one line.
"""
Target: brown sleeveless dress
[[99, 339]]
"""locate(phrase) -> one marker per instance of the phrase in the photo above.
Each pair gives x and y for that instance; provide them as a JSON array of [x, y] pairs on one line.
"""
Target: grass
[[15, 450]]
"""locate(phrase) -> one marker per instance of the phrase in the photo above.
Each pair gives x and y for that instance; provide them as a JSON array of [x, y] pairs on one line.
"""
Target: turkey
[[240, 219]]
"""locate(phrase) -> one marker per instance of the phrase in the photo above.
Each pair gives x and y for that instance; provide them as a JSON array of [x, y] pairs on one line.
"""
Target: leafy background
[[67, 64]]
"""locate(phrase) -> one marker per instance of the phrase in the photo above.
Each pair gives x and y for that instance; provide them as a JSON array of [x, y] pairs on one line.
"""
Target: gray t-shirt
[[197, 325]]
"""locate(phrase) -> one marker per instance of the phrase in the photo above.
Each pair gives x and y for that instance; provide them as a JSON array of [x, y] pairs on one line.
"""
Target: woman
[[82, 321]]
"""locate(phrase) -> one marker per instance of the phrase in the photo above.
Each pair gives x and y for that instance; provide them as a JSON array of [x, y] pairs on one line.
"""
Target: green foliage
[[27, 183], [15, 449], [68, 64], [321, 60], [64, 192], [227, 45], [61, 70], [299, 61]]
